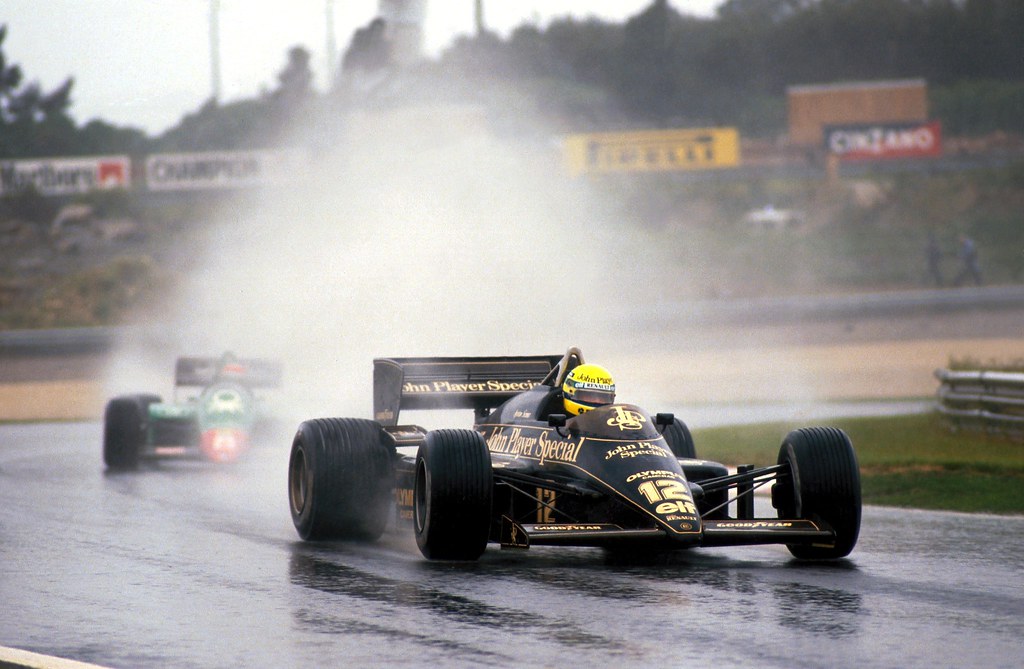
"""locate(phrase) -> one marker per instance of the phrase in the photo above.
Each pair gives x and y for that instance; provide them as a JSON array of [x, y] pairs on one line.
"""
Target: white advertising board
[[65, 176], [223, 169]]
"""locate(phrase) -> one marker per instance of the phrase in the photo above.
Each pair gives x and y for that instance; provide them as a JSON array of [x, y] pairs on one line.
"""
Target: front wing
[[713, 533]]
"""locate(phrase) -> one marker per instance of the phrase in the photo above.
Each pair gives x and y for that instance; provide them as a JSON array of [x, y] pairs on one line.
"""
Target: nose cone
[[622, 449], [223, 445]]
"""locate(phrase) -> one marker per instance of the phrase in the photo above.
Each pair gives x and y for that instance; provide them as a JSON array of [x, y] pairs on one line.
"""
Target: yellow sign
[[653, 150]]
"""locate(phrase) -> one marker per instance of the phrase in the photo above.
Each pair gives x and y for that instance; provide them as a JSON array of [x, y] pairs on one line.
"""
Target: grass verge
[[908, 461]]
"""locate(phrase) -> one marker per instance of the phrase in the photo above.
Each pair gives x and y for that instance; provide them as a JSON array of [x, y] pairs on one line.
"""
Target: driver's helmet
[[231, 369], [587, 387]]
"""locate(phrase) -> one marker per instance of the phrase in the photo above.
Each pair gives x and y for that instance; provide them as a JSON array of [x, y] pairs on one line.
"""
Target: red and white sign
[[65, 176], [223, 169], [885, 140]]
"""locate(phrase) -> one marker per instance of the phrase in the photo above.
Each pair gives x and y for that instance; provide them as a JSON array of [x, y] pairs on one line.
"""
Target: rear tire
[[340, 479], [679, 440], [452, 495], [124, 430], [824, 485]]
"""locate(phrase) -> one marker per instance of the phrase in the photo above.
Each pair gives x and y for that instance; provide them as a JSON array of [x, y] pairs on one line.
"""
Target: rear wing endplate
[[453, 383], [252, 372]]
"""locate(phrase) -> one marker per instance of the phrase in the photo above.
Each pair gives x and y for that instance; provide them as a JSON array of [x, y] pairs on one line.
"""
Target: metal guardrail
[[992, 401], [662, 314], [887, 304], [57, 341]]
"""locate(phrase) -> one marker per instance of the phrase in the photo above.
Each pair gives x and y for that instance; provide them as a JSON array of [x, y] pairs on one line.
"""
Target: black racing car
[[526, 474]]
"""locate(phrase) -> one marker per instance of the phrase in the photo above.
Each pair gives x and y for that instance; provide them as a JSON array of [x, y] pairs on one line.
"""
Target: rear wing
[[453, 383], [252, 372]]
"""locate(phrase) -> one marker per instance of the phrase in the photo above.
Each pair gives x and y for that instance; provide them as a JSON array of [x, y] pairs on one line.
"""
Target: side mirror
[[663, 420], [557, 420]]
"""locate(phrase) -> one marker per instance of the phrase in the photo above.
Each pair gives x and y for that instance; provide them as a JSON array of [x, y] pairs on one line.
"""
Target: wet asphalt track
[[195, 565]]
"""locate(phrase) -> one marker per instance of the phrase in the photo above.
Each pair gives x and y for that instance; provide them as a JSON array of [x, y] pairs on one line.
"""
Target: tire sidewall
[[340, 480], [301, 469]]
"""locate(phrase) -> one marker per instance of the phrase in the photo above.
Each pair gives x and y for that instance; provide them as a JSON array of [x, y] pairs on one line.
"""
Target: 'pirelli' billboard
[[653, 150]]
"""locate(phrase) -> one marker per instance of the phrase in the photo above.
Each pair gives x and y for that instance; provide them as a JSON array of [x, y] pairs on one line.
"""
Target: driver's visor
[[593, 395]]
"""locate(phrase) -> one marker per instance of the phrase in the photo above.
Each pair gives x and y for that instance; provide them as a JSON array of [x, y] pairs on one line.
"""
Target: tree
[[369, 50], [646, 83], [766, 12], [32, 122]]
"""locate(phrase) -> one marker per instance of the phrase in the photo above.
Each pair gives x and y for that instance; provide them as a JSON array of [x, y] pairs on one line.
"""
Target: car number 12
[[673, 495]]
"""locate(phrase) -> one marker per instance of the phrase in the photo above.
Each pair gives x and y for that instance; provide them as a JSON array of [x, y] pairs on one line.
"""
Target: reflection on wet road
[[192, 565]]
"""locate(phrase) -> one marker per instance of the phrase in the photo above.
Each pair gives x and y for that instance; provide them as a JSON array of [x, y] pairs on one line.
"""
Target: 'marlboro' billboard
[[653, 150], [65, 176], [163, 171]]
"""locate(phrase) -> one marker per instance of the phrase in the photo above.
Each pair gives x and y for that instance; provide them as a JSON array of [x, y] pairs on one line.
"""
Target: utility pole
[[215, 49], [332, 45], [478, 16]]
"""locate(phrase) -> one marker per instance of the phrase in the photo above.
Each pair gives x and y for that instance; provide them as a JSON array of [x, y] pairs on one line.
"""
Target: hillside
[[113, 260]]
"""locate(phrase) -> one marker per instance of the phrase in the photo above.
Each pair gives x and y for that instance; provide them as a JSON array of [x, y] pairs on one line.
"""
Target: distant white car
[[770, 217]]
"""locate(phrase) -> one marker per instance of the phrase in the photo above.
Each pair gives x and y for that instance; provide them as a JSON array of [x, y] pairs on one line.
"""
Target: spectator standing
[[934, 254], [968, 255]]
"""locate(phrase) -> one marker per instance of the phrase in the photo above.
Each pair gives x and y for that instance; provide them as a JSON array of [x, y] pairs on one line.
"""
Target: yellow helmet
[[587, 387]]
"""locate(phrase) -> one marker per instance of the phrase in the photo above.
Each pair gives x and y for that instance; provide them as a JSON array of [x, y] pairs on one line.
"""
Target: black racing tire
[[340, 479], [679, 439], [124, 430], [452, 495], [823, 485]]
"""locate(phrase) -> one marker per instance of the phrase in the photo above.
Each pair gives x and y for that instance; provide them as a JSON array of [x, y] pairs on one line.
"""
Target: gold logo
[[624, 419]]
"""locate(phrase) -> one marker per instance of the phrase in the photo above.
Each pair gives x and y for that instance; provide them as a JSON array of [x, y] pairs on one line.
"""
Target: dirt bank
[[731, 371]]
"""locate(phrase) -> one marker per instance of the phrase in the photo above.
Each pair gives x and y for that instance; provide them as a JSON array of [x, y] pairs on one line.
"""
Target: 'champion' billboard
[[222, 169]]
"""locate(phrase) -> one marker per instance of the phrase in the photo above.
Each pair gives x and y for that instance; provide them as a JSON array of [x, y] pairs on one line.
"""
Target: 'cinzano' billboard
[[884, 140]]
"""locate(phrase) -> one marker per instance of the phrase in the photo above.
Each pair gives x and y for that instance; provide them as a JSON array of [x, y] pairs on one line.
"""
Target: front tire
[[340, 479], [452, 495], [823, 485], [124, 430]]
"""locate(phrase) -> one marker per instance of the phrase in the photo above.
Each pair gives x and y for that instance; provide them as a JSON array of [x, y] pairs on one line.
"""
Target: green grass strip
[[908, 461]]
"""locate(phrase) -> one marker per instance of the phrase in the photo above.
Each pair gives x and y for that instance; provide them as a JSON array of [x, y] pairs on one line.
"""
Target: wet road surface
[[197, 565]]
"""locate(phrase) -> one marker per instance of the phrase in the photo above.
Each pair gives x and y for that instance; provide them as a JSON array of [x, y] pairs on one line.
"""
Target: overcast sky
[[146, 63]]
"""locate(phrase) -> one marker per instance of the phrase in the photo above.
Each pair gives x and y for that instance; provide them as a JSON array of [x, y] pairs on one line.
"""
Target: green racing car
[[212, 416]]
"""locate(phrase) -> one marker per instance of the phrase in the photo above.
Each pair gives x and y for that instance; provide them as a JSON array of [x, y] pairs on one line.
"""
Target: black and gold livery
[[528, 474]]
